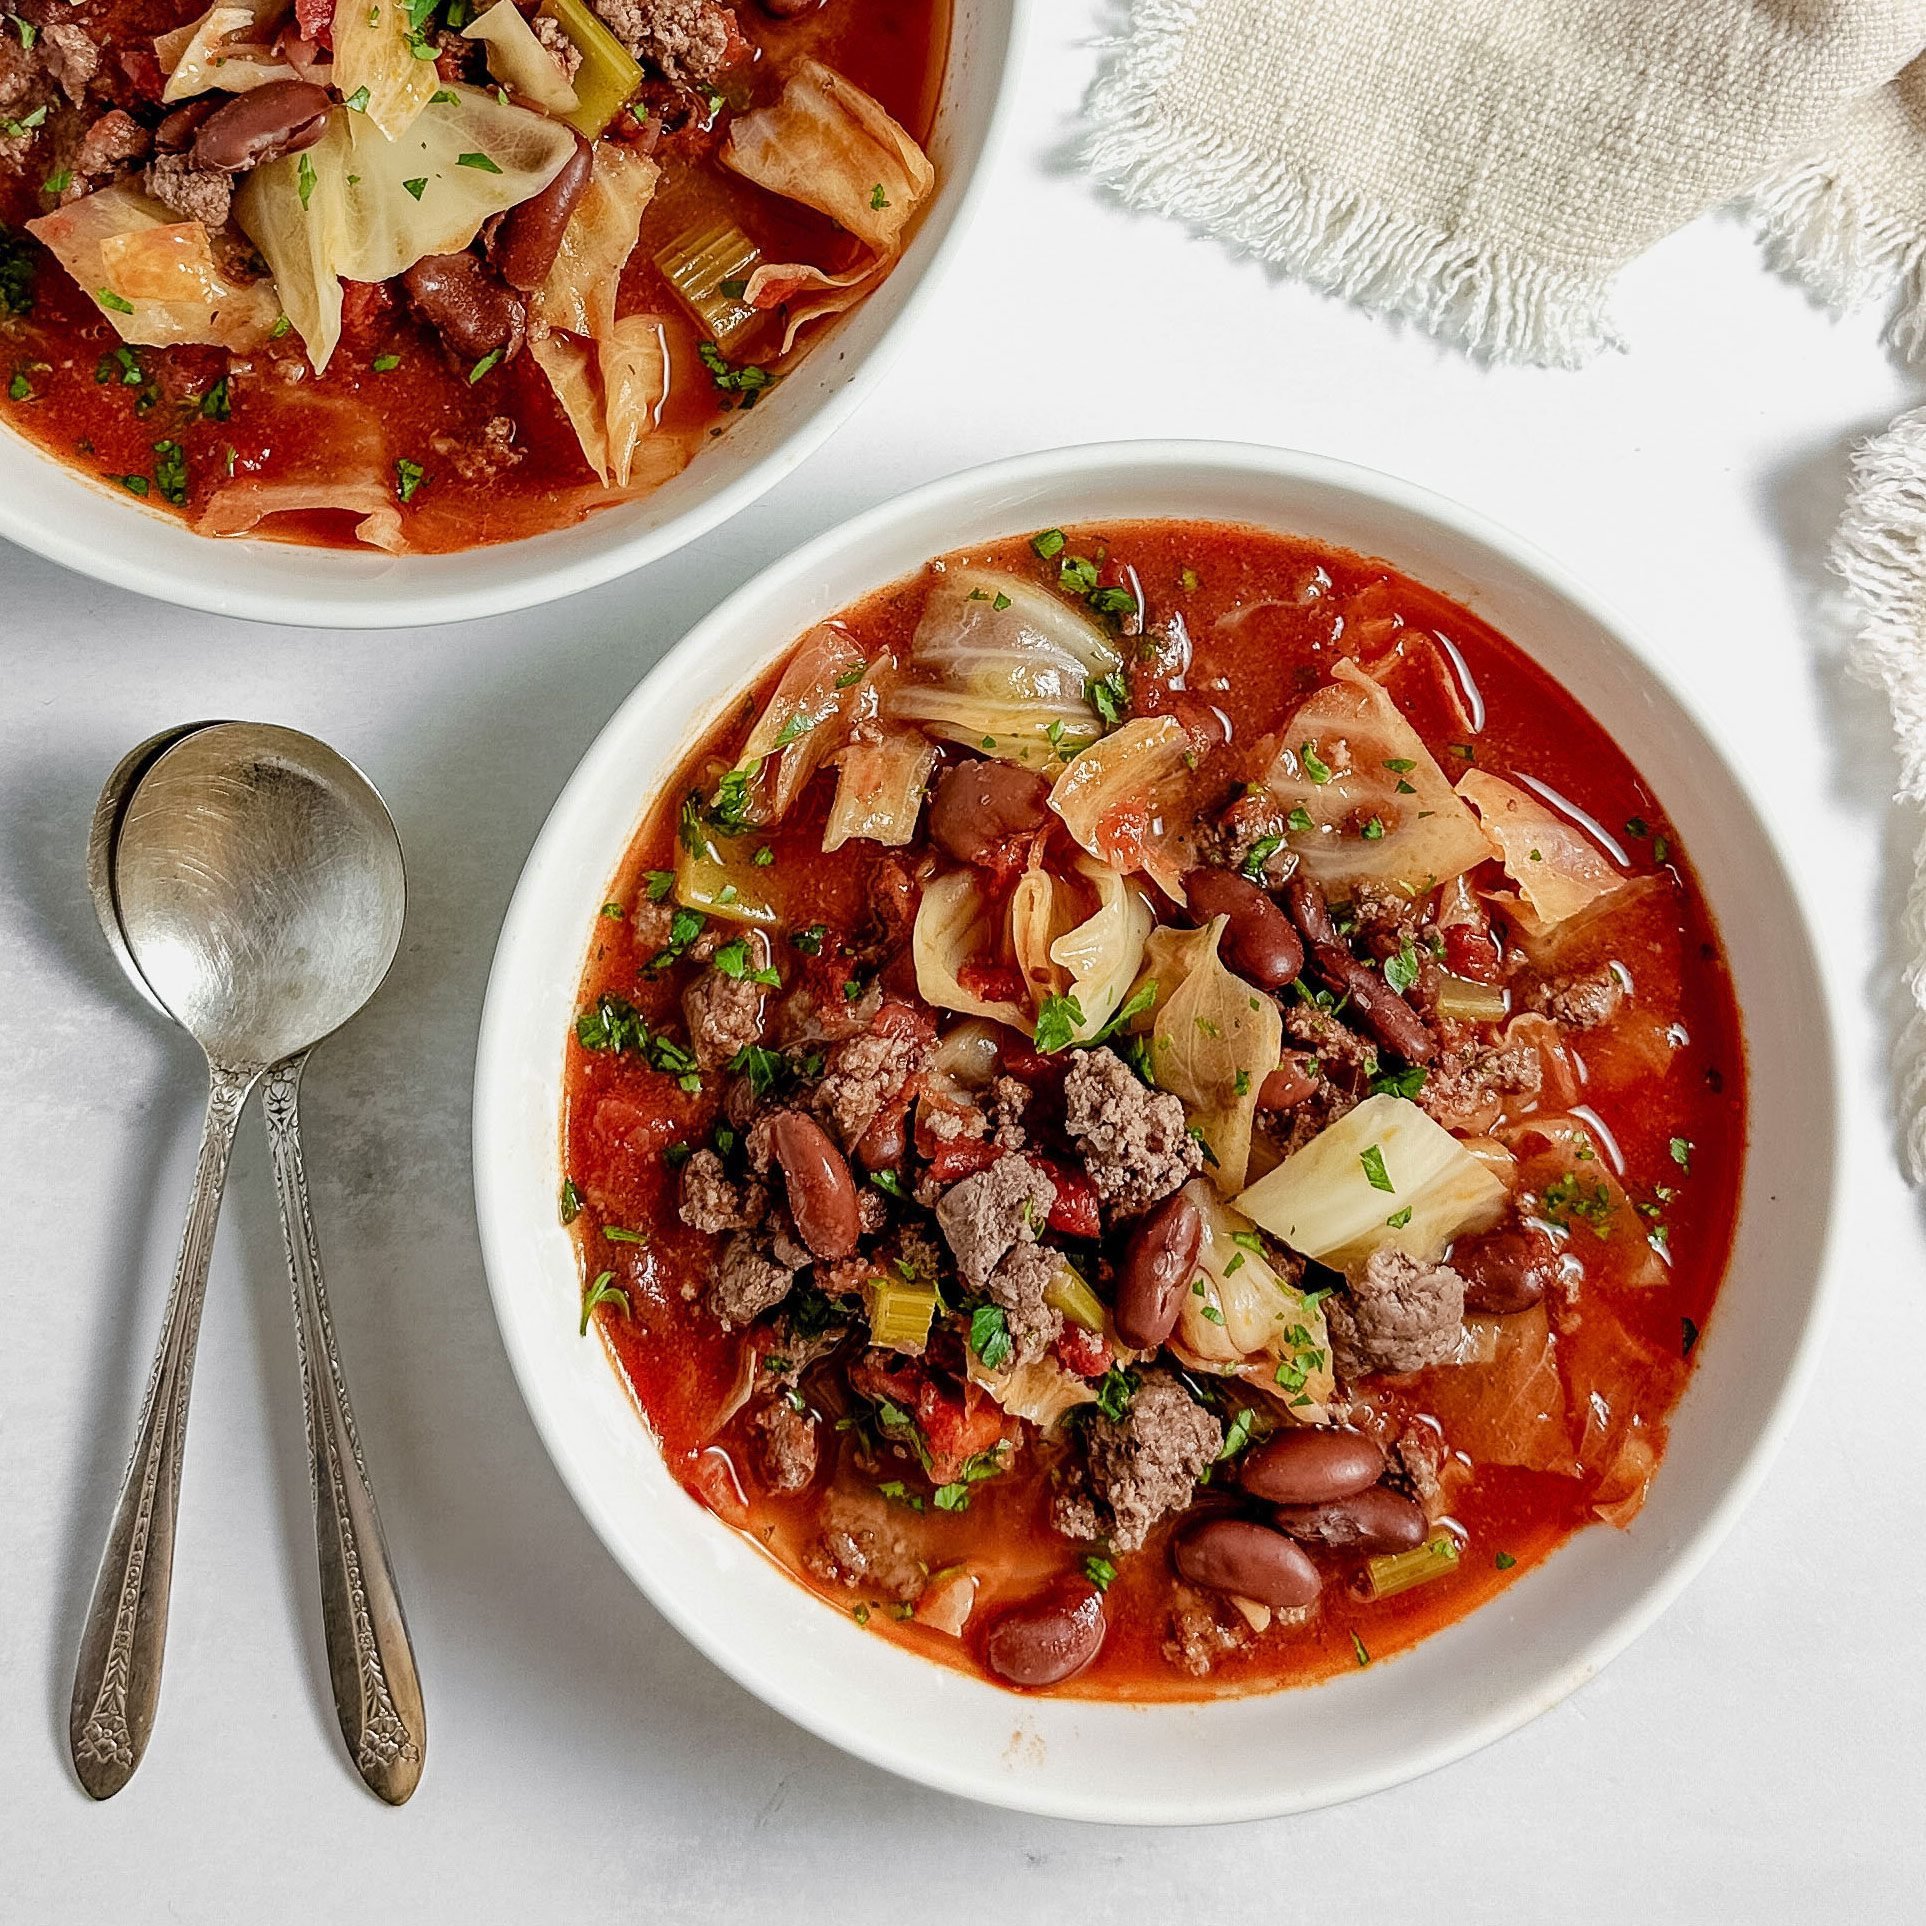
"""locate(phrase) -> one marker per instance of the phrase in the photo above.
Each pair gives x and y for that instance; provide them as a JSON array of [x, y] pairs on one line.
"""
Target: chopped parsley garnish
[[304, 179], [1058, 1021], [1100, 1572], [1398, 1219], [615, 1234], [1241, 1084], [1399, 765], [486, 365], [1399, 1083], [19, 388], [1131, 1009], [118, 303], [860, 1613], [1314, 766], [603, 1291], [27, 31], [409, 476], [1111, 601], [810, 941], [356, 102], [17, 269], [1401, 970], [764, 1068], [888, 1183], [732, 959], [1682, 1153], [1115, 1389], [1362, 1656], [1373, 831], [1261, 852], [571, 1200], [1237, 1434], [990, 1336], [659, 883], [281, 326], [613, 911], [1504, 1561], [1637, 826], [877, 198], [1048, 545], [170, 471], [748, 381], [613, 1025], [1375, 1174], [134, 484], [1568, 1200], [1108, 695], [1077, 575], [480, 162], [216, 404], [416, 187]]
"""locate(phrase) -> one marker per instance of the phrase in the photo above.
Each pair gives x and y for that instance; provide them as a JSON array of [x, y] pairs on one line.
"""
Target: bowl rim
[[190, 580], [1675, 1564]]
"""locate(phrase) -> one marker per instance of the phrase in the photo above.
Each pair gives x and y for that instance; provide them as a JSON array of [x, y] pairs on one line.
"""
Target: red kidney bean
[[175, 134], [1259, 942], [1505, 1270], [1249, 1560], [884, 1143], [1311, 1465], [1370, 1523], [530, 236], [264, 124], [822, 1193], [1156, 1268], [1049, 1638], [1386, 1014], [466, 305], [977, 805], [1288, 1085]]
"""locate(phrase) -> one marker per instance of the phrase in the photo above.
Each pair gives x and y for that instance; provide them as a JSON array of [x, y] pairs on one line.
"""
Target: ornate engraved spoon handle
[[377, 1695], [117, 1677]]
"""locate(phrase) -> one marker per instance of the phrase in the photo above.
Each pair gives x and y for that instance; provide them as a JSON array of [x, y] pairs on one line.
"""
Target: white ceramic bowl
[[100, 530], [1163, 1763]]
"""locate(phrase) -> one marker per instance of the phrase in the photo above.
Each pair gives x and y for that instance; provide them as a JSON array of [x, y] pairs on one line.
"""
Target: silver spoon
[[249, 881]]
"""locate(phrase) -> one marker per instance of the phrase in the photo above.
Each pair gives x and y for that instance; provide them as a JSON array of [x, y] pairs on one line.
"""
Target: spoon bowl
[[259, 887]]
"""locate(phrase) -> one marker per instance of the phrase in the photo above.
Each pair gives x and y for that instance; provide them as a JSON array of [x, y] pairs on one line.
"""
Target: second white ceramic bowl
[[1166, 1763], [101, 531]]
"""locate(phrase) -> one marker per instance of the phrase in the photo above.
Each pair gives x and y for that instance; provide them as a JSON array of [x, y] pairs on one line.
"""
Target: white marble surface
[[1758, 1755]]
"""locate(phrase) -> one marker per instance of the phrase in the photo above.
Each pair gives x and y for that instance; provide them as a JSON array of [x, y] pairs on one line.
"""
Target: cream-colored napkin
[[1486, 167]]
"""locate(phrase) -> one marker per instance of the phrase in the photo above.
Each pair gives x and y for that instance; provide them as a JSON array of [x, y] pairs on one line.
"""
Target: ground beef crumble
[[1399, 1315], [201, 194], [691, 42], [986, 1215], [1136, 1146], [1581, 1002], [1139, 1467], [750, 1279], [713, 1201], [1017, 1285], [785, 1441]]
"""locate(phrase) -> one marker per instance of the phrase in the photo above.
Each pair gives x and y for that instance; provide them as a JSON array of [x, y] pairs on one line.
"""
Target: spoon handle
[[117, 1677], [371, 1664]]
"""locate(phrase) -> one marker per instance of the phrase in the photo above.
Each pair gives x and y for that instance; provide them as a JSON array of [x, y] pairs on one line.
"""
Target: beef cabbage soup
[[1156, 1112], [425, 274]]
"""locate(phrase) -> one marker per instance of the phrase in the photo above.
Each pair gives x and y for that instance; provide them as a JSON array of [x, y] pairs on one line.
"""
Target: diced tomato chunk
[[1472, 953], [316, 21], [1087, 1354], [962, 1157], [1075, 1212], [993, 982], [953, 1426]]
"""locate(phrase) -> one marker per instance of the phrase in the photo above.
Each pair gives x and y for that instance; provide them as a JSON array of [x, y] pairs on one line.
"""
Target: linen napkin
[[1485, 168]]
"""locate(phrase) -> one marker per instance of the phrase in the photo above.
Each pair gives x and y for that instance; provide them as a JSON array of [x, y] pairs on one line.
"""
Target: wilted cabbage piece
[[225, 48], [1213, 1041], [1102, 955], [579, 294], [338, 462], [1112, 793], [799, 726], [1366, 799], [879, 790], [954, 929], [520, 61], [1383, 1174], [358, 206], [1238, 1310], [1559, 871], [826, 143], [158, 252], [1564, 1179], [1011, 667], [374, 49], [1042, 1392]]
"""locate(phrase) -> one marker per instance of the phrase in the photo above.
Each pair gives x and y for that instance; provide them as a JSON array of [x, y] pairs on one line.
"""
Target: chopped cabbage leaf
[[826, 143], [205, 305], [1111, 794], [806, 293], [336, 458], [1383, 1174], [375, 49], [569, 366], [954, 929], [518, 60], [1349, 762], [1559, 871], [1102, 955], [879, 790], [1566, 1181], [799, 725], [343, 211], [1238, 1309], [579, 294], [1040, 912], [1213, 1041], [1043, 1393], [1014, 664], [1512, 1410], [635, 384], [224, 48]]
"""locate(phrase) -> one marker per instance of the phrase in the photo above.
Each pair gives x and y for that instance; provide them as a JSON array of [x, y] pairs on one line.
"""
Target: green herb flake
[[304, 179], [1358, 1651], [810, 940], [1637, 826], [1398, 1219], [1399, 1083], [615, 1234], [1375, 1173], [658, 883], [1100, 1572], [990, 1336], [877, 198], [409, 476], [603, 1291], [480, 162], [170, 471], [19, 388], [1049, 545], [356, 102], [134, 484], [217, 404], [571, 1200], [1313, 765], [486, 365], [888, 1183], [1299, 820], [1504, 1561], [116, 303], [1682, 1153], [1259, 854], [281, 326], [1237, 1434], [417, 187], [1058, 1022], [1401, 970], [1373, 831]]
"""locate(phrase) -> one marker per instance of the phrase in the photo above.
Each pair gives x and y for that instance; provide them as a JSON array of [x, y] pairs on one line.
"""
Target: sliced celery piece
[[1068, 1293], [900, 1314], [1468, 1002], [1399, 1571], [607, 78], [697, 263]]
